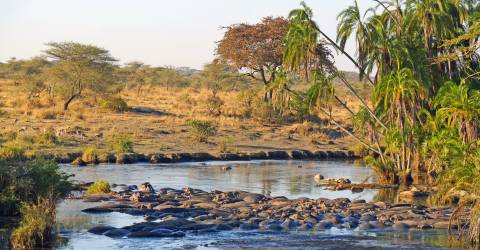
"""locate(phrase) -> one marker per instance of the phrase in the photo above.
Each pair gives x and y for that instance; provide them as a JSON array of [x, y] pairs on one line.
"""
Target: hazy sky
[[157, 32]]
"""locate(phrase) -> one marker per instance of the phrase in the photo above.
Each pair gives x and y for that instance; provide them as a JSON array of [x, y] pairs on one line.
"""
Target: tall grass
[[36, 226]]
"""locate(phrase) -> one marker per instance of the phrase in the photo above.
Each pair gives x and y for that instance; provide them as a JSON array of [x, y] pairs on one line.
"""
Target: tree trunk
[[68, 101]]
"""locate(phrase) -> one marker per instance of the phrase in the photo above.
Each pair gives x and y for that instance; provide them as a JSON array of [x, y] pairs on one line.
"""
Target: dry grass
[[158, 122]]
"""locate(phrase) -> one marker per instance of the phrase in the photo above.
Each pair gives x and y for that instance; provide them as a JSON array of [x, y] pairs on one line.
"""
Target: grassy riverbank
[[157, 122]]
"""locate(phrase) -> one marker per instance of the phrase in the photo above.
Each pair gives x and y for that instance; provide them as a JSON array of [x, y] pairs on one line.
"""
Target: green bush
[[114, 103], [122, 144], [99, 187], [8, 204], [28, 181], [38, 220], [202, 130], [90, 155], [12, 150]]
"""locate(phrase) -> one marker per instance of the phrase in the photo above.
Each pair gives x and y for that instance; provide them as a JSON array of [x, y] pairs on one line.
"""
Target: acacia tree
[[256, 49], [79, 67]]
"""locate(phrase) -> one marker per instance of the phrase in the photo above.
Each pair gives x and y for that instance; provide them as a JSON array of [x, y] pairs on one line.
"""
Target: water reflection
[[275, 178]]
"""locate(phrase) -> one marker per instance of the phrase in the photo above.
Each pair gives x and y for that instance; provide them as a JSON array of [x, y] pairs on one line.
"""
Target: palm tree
[[459, 106], [301, 40]]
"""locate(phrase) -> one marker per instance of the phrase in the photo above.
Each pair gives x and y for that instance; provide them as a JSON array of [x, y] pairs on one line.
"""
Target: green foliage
[[122, 144], [32, 180], [114, 103], [12, 150], [38, 220], [99, 186], [78, 68], [202, 130], [8, 204]]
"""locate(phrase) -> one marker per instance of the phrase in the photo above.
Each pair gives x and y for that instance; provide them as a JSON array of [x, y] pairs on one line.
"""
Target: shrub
[[214, 105], [227, 145], [29, 181], [115, 103], [265, 112], [36, 226], [202, 130], [12, 150], [8, 204], [100, 186], [246, 99], [122, 144], [90, 155]]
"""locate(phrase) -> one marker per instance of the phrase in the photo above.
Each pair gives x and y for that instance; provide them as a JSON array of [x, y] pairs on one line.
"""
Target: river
[[292, 179]]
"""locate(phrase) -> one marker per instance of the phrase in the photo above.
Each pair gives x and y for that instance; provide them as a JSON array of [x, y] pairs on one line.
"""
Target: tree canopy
[[78, 67], [256, 49]]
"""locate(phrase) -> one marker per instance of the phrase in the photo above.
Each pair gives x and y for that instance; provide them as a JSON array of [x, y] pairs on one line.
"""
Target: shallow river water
[[274, 178]]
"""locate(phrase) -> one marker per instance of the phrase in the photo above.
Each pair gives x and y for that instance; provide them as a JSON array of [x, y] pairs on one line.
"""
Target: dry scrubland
[[157, 122]]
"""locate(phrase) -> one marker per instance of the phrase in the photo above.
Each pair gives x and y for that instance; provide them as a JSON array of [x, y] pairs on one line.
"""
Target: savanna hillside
[[155, 119]]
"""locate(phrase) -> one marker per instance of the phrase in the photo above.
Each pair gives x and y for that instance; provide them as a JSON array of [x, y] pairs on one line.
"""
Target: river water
[[292, 179]]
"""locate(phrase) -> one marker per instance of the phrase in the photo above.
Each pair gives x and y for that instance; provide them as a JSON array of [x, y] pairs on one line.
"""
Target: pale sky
[[157, 32]]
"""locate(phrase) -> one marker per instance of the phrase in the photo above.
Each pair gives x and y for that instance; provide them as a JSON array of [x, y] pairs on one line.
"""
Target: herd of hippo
[[175, 213], [129, 158]]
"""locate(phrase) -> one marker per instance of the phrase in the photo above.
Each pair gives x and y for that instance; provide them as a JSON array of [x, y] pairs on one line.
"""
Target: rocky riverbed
[[172, 212]]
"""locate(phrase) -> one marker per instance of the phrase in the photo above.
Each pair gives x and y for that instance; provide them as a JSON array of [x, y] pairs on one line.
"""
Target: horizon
[[150, 34]]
